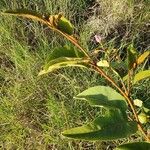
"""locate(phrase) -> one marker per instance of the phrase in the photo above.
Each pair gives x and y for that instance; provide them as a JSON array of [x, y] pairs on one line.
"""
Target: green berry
[[143, 118]]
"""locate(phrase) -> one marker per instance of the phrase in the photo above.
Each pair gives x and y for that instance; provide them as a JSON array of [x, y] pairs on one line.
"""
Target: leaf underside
[[104, 96], [63, 62], [64, 56]]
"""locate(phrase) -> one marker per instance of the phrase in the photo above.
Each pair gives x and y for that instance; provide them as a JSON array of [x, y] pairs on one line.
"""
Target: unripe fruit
[[143, 118]]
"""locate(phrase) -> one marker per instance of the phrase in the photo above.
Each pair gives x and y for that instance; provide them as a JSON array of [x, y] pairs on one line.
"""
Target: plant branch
[[101, 72], [96, 68], [33, 16], [129, 82], [70, 38], [123, 85]]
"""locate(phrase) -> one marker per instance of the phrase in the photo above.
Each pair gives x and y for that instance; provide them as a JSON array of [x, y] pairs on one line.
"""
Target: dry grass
[[119, 23]]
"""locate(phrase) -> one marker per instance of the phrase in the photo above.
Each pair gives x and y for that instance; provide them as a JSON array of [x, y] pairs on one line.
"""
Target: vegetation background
[[34, 110]]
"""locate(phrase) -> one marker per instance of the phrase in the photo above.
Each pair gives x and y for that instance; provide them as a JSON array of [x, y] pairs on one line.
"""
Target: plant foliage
[[134, 146], [114, 124]]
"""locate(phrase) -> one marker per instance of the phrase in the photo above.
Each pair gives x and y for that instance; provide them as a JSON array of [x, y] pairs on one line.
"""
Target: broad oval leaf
[[61, 23], [134, 146], [65, 51], [64, 62], [113, 125], [141, 75], [110, 127], [63, 57], [142, 57], [143, 118], [104, 96], [65, 25]]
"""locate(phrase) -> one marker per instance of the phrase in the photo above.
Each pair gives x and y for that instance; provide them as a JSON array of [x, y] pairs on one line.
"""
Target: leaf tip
[[41, 73]]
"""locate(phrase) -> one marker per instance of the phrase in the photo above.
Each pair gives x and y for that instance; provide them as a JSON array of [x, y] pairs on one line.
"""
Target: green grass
[[34, 110]]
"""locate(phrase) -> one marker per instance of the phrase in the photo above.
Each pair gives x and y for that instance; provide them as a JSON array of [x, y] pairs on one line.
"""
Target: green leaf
[[141, 75], [63, 57], [64, 62], [134, 146], [113, 125], [65, 51], [143, 118], [65, 25], [142, 57], [110, 127], [104, 96], [26, 13], [61, 23], [131, 57]]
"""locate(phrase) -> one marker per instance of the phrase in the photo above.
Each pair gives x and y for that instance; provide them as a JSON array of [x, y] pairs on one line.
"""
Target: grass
[[34, 110], [120, 23]]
